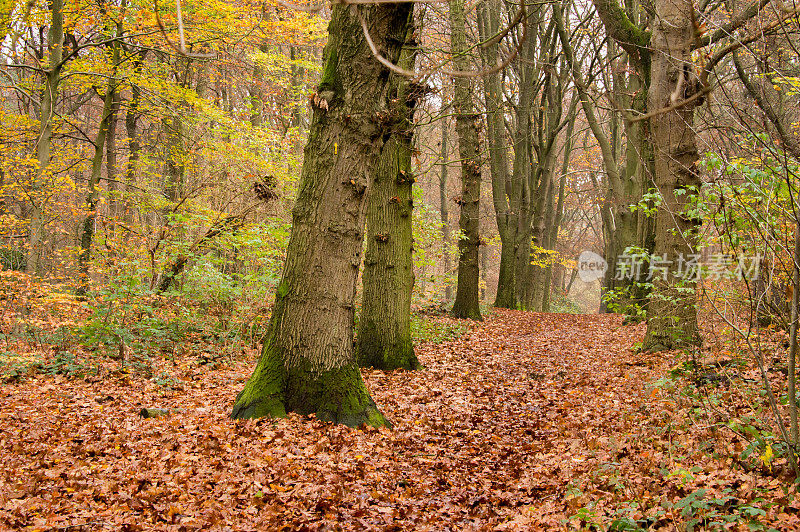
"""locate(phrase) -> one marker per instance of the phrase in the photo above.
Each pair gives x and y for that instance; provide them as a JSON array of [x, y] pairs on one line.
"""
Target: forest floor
[[525, 422]]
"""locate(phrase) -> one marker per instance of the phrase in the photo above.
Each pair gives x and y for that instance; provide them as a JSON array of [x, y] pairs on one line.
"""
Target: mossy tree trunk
[[308, 363], [629, 228], [384, 326], [672, 312], [467, 304]]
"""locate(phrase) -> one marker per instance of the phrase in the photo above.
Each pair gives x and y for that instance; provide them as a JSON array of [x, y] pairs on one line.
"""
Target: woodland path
[[489, 434]]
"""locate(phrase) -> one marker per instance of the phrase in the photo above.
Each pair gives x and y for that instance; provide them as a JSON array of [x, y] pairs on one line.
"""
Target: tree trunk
[[111, 158], [502, 189], [467, 304], [384, 326], [672, 314], [444, 214], [537, 258], [87, 235], [554, 221], [175, 157], [629, 228], [132, 131], [55, 46], [308, 364], [257, 93]]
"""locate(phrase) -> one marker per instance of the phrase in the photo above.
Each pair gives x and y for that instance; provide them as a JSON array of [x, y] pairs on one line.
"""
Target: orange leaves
[[519, 424]]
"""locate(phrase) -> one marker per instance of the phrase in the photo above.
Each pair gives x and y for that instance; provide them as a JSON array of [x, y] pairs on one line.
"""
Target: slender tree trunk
[[537, 258], [522, 260], [308, 363], [298, 116], [256, 92], [672, 313], [793, 438], [550, 113], [527, 168], [111, 158], [466, 304], [503, 193], [55, 47], [132, 131], [384, 325], [444, 215], [554, 221], [175, 158], [87, 235]]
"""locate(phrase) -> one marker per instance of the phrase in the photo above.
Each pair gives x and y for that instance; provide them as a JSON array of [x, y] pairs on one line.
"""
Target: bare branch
[[453, 73]]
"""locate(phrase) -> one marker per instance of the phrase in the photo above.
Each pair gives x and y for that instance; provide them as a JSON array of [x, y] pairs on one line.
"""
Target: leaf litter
[[526, 422]]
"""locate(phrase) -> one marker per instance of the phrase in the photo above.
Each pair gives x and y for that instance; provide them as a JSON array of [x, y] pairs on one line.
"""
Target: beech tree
[[308, 364]]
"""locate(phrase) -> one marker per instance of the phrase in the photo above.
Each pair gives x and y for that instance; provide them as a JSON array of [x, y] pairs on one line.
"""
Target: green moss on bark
[[374, 352], [262, 395], [338, 395], [328, 81]]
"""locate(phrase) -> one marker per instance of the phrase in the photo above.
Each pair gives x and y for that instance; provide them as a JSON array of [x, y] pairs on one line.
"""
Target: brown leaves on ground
[[527, 422]]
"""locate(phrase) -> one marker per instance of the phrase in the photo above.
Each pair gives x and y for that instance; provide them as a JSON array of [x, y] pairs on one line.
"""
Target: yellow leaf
[[767, 457]]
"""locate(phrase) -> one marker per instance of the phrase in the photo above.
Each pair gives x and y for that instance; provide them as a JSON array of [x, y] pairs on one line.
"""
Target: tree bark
[[111, 158], [55, 47], [87, 236], [672, 313], [444, 214], [308, 364], [505, 202], [467, 304], [555, 217], [384, 325], [132, 131]]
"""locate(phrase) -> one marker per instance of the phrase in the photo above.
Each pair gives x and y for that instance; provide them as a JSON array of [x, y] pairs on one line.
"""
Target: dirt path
[[490, 434]]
